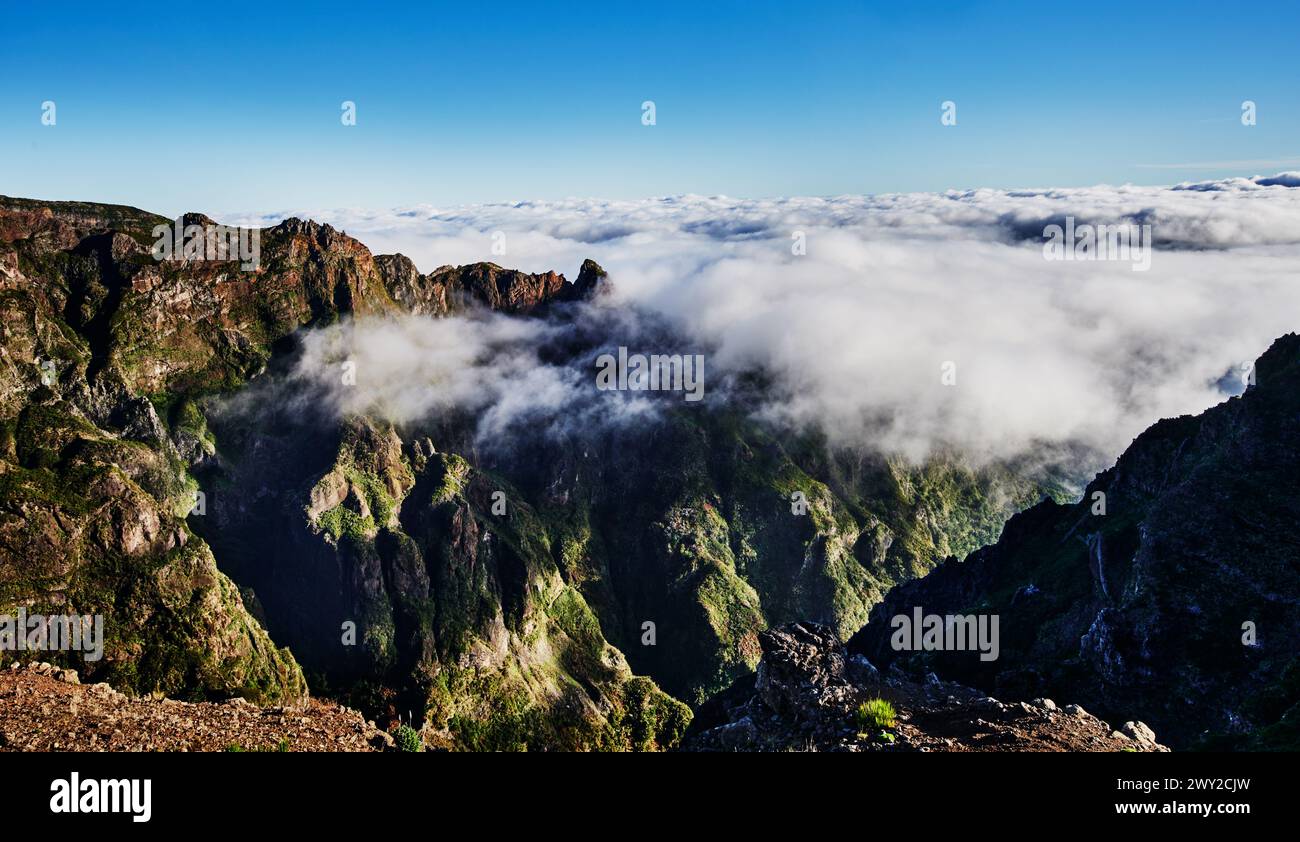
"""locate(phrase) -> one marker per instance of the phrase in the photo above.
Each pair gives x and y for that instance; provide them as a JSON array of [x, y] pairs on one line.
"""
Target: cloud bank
[[499, 370], [892, 292]]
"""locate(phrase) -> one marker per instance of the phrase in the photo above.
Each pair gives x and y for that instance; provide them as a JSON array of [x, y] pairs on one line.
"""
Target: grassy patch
[[875, 715]]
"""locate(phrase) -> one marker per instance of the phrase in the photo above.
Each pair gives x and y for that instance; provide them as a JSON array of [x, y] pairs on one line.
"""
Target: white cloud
[[891, 287], [485, 365]]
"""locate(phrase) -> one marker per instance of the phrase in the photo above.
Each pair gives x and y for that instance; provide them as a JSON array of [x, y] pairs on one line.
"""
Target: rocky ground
[[807, 690], [803, 698], [44, 708]]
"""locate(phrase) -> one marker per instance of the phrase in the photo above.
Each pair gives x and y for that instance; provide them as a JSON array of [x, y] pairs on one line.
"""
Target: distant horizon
[[289, 212]]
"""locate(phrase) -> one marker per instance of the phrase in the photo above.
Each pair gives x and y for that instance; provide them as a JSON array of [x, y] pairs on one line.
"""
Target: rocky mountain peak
[[452, 289], [1279, 366], [592, 280]]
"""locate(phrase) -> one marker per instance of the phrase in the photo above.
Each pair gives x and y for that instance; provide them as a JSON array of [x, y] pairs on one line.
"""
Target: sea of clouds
[[855, 333]]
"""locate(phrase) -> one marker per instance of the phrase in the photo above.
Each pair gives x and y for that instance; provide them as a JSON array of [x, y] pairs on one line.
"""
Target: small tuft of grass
[[876, 714]]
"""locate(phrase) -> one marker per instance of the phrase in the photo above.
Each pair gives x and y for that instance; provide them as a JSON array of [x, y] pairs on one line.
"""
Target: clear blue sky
[[228, 107]]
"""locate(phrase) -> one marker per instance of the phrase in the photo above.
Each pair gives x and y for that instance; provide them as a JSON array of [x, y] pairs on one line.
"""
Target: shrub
[[408, 739]]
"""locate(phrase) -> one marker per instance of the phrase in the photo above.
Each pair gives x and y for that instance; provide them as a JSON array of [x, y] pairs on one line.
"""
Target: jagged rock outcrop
[[799, 660], [452, 289], [809, 695], [1170, 591], [592, 282]]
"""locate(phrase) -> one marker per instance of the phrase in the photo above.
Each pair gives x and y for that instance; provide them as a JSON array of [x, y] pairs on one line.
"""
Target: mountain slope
[[527, 628], [1179, 605]]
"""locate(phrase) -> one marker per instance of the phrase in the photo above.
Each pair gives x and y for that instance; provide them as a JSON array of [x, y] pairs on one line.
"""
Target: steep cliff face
[[408, 580], [92, 491], [1178, 604], [90, 524]]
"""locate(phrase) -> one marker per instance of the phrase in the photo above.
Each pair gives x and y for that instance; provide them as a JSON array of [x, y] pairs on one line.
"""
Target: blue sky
[[236, 107]]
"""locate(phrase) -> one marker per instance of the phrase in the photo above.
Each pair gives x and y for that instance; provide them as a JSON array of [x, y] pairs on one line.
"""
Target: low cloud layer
[[499, 370], [856, 332]]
